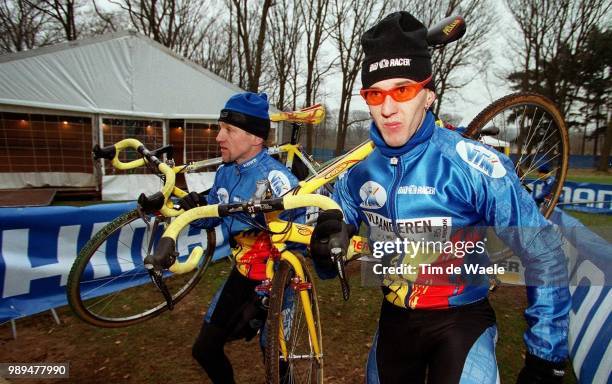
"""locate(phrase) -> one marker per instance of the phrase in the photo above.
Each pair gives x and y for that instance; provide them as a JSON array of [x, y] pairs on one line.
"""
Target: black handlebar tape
[[164, 255], [267, 205], [151, 203], [151, 158], [168, 150], [107, 153]]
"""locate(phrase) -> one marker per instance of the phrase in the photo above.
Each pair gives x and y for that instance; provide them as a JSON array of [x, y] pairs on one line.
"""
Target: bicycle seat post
[[295, 132]]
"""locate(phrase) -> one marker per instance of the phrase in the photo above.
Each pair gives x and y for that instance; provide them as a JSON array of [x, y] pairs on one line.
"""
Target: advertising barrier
[[39, 245], [590, 332], [585, 197]]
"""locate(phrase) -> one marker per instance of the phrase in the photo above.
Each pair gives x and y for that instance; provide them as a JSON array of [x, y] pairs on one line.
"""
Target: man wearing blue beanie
[[236, 311]]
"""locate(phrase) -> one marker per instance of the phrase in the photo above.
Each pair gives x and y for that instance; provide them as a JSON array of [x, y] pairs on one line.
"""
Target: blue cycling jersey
[[237, 183], [443, 188]]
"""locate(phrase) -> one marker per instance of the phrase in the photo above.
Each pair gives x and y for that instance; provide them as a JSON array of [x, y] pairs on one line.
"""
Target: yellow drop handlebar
[[167, 243], [170, 177]]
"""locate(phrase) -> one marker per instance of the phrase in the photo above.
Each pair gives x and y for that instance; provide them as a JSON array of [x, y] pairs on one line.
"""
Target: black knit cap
[[396, 47]]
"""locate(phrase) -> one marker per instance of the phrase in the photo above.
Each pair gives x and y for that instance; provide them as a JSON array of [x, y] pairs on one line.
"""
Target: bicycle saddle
[[446, 31]]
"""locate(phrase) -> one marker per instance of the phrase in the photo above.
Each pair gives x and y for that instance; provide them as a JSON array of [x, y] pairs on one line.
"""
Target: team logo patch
[[481, 158], [279, 182], [416, 190], [373, 195], [222, 195], [386, 63]]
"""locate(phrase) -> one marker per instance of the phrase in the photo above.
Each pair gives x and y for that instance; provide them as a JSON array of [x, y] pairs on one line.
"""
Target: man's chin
[[395, 142]]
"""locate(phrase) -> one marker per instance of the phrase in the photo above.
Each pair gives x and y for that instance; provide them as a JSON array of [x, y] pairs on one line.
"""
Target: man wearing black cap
[[430, 186], [236, 311]]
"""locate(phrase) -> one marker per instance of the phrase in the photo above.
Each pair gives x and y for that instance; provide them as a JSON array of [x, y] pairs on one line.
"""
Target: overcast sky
[[485, 88]]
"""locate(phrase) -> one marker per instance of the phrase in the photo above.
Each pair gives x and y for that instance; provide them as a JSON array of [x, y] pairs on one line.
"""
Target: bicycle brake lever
[[156, 277], [143, 216], [338, 258]]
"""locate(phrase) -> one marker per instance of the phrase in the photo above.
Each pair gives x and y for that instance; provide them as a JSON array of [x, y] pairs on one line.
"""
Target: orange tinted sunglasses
[[375, 96]]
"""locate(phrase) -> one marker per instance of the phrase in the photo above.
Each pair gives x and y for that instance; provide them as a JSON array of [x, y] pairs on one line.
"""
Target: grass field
[[159, 351], [589, 176]]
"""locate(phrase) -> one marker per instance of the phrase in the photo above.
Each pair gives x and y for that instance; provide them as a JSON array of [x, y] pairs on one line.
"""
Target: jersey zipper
[[397, 177]]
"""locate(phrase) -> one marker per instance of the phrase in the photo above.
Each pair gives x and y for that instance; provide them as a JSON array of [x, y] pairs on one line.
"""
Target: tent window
[[149, 132], [45, 143], [200, 141]]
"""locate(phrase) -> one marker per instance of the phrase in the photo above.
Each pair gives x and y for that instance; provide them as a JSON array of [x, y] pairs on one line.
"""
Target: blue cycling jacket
[[236, 183], [441, 188]]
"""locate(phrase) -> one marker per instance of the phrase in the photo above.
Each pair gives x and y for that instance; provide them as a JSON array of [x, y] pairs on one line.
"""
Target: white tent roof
[[122, 73]]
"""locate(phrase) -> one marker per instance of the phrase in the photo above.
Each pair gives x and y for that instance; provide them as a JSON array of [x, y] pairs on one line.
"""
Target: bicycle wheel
[[286, 320], [108, 285], [532, 131]]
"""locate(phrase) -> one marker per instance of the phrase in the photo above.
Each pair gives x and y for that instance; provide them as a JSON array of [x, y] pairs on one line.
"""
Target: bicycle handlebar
[[159, 200], [165, 255]]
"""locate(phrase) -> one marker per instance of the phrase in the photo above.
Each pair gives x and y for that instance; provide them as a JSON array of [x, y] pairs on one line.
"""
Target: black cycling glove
[[192, 200], [540, 371], [330, 232]]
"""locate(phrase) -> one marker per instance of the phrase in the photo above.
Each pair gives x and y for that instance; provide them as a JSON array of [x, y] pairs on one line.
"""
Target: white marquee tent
[[118, 75]]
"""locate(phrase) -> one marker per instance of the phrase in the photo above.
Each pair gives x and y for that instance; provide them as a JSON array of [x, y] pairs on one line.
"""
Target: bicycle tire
[[551, 150], [134, 302], [303, 365]]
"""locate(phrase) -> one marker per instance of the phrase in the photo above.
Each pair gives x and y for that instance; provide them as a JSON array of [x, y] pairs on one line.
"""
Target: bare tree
[[314, 13], [216, 52], [349, 20], [251, 31], [470, 51], [62, 11], [285, 30], [98, 20], [22, 27], [178, 24], [552, 33]]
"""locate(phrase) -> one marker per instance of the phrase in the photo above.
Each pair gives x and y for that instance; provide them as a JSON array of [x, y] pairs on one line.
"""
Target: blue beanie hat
[[248, 111]]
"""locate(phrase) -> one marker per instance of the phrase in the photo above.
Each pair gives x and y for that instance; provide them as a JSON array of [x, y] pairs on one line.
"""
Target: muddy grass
[[159, 351]]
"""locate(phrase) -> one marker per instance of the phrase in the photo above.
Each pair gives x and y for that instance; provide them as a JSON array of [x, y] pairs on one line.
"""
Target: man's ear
[[430, 98], [257, 140]]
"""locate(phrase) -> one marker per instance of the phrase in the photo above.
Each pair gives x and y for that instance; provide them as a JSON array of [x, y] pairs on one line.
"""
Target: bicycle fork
[[156, 275], [301, 286]]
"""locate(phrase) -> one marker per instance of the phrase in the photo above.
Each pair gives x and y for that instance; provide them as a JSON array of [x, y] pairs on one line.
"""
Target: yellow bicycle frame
[[283, 231], [301, 196]]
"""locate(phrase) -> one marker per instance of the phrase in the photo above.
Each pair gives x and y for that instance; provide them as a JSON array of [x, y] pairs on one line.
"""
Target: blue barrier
[[585, 197], [586, 161], [39, 245], [590, 331]]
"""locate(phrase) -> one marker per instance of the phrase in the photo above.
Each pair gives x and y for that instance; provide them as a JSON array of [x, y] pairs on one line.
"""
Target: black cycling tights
[[236, 314], [208, 351], [414, 344]]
